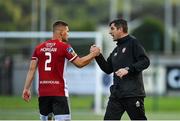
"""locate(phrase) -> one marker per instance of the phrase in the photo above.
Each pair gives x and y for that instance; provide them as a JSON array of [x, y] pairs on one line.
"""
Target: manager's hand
[[95, 50], [121, 72]]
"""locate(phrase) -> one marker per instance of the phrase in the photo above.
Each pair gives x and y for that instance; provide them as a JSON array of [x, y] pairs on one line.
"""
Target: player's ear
[[63, 33], [60, 33]]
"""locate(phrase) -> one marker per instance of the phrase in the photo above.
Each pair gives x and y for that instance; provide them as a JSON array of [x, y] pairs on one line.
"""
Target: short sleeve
[[34, 55], [70, 53]]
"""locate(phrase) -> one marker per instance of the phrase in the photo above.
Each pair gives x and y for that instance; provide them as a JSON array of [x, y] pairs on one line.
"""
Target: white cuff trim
[[73, 58]]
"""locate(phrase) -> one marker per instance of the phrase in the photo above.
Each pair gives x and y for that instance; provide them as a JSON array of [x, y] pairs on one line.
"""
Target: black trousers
[[134, 107]]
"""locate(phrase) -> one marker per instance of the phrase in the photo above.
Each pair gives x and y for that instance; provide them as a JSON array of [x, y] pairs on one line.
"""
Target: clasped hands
[[95, 50], [120, 72]]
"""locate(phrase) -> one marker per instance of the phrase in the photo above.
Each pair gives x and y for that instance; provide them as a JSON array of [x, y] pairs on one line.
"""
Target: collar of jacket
[[122, 40]]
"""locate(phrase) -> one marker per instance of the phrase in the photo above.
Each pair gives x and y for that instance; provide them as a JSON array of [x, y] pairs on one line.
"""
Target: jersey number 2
[[47, 61]]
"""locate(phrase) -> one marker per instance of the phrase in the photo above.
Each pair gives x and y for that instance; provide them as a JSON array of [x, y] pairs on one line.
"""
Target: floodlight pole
[[126, 9], [33, 21], [113, 10], [177, 29], [168, 27], [98, 90], [42, 15]]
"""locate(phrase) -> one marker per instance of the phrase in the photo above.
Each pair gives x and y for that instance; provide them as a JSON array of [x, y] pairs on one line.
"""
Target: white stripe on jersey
[[73, 58], [65, 82], [35, 58]]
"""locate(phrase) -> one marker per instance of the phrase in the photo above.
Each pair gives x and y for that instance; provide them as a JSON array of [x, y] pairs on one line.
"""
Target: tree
[[151, 34]]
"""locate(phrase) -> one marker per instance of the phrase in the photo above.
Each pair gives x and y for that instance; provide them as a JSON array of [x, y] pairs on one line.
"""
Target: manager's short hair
[[120, 23]]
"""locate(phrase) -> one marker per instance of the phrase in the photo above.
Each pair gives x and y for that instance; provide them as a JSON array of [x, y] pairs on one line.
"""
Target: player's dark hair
[[59, 23], [120, 23]]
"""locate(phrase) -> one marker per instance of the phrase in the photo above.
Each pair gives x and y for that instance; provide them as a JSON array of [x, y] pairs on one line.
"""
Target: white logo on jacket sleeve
[[124, 50], [115, 54], [137, 104]]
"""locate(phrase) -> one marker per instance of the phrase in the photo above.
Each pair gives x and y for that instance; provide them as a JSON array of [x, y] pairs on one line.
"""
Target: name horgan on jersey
[[49, 48], [45, 49]]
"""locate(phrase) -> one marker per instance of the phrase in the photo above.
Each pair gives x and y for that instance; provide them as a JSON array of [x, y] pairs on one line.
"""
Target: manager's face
[[115, 32]]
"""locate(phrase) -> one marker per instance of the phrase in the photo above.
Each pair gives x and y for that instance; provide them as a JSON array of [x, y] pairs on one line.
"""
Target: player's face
[[65, 34], [115, 32]]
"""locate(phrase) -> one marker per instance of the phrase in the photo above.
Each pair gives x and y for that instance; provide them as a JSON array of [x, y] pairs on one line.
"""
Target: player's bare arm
[[26, 92], [83, 61]]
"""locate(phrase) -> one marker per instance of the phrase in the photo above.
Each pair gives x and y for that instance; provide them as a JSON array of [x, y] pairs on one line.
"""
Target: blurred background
[[26, 23]]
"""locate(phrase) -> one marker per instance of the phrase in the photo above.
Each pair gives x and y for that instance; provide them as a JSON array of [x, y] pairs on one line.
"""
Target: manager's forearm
[[103, 64], [140, 65]]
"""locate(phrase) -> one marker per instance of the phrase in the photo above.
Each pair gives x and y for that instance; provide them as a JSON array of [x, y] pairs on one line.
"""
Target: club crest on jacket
[[124, 50]]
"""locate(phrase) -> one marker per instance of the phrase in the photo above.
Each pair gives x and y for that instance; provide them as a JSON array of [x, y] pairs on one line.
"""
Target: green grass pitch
[[159, 108]]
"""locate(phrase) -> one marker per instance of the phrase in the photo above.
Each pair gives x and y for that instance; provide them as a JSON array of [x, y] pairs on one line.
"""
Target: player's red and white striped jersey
[[51, 56]]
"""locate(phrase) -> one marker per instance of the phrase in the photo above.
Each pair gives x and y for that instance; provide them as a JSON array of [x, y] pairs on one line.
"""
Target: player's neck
[[56, 38]]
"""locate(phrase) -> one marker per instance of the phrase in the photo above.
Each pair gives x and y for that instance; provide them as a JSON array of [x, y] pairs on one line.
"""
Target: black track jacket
[[127, 53]]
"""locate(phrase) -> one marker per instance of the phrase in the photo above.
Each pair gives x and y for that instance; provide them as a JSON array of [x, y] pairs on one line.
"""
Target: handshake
[[95, 50]]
